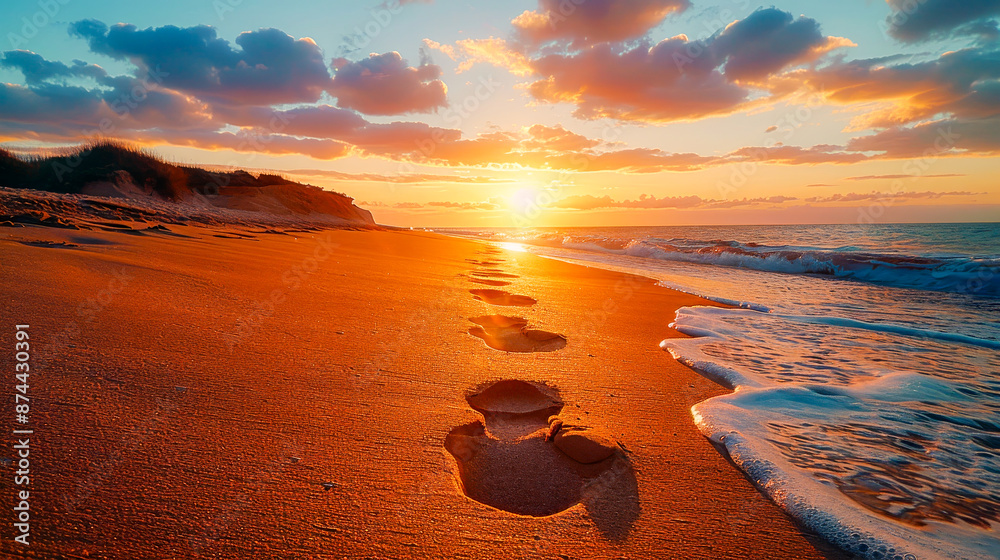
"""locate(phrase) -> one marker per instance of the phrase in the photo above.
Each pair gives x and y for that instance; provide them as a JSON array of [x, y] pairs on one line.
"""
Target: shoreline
[[351, 373]]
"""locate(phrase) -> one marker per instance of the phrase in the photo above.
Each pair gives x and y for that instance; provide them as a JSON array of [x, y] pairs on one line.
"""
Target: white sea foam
[[854, 434], [864, 363]]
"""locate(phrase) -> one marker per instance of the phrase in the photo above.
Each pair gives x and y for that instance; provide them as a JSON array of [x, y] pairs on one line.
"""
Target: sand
[[223, 394]]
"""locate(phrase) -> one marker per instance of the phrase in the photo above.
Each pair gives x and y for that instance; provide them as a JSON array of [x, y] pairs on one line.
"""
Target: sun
[[528, 204]]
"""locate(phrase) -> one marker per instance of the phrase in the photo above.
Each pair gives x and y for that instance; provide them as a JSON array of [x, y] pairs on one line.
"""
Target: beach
[[218, 393]]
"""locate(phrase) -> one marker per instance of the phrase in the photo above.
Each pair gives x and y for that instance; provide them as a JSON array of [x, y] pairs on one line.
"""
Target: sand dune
[[113, 181]]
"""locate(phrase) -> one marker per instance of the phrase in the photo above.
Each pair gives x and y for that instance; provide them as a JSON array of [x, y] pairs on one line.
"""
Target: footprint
[[520, 400], [511, 334], [491, 262], [511, 463], [486, 282], [500, 297], [496, 274]]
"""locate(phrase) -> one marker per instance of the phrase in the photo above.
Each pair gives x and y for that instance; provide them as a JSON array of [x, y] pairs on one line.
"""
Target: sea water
[[865, 363]]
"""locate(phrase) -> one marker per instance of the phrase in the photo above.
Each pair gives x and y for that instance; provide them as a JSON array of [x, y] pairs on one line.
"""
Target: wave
[[868, 413], [975, 275], [883, 444]]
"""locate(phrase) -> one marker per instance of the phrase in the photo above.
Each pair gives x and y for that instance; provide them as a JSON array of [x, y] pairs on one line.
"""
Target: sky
[[443, 113]]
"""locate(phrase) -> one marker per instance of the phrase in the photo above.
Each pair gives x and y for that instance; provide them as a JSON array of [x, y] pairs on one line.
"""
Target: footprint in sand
[[500, 297], [527, 461], [495, 273], [511, 334], [492, 262], [487, 282]]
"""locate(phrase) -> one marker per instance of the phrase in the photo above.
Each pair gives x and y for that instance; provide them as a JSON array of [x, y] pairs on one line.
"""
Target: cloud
[[795, 155], [965, 83], [592, 21], [399, 205], [920, 20], [497, 52], [270, 67], [557, 139], [677, 79], [862, 197], [276, 144], [735, 203], [491, 204], [326, 121], [557, 149], [51, 107], [767, 41], [632, 160], [36, 69], [58, 112], [639, 84], [649, 202], [383, 84], [902, 176], [945, 137], [406, 178], [589, 202]]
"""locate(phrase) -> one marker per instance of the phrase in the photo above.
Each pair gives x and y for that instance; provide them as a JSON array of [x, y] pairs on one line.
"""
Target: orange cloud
[[675, 79], [491, 51], [874, 195], [655, 84], [407, 178], [585, 22], [963, 83], [383, 84], [557, 139], [795, 155]]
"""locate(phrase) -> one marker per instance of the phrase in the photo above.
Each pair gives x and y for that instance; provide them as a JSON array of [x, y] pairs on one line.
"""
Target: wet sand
[[226, 394]]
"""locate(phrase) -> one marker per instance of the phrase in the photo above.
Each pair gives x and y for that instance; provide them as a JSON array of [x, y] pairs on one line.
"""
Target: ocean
[[865, 363]]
